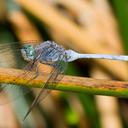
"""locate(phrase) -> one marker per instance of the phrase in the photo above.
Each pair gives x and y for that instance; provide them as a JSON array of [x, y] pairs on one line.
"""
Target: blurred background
[[86, 26]]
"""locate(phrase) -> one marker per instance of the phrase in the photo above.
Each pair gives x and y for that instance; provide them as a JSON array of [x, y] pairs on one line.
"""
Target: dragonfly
[[56, 56]]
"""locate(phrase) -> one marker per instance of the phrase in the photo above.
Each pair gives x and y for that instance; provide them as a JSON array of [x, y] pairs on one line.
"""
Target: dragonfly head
[[28, 52]]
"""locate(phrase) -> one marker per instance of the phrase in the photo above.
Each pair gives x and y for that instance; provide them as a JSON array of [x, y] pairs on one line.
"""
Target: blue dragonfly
[[54, 55]]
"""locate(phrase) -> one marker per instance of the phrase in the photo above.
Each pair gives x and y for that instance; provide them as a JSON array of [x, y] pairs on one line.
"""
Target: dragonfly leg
[[35, 75]]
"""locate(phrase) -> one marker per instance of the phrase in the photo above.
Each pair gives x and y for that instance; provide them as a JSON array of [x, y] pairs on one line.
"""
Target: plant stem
[[68, 83]]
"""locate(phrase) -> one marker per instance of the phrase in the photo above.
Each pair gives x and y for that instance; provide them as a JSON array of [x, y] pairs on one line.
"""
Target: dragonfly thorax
[[28, 52], [49, 52]]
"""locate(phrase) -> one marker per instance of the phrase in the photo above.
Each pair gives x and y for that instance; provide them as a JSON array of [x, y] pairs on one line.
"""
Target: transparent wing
[[58, 68], [56, 75], [13, 92], [9, 92], [16, 46]]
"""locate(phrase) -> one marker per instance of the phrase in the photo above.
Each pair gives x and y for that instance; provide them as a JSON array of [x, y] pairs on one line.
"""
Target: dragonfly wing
[[15, 46], [58, 70], [5, 47], [13, 92], [10, 93]]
